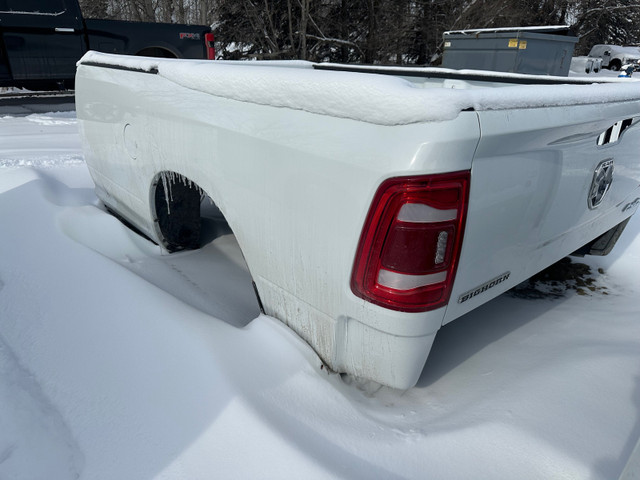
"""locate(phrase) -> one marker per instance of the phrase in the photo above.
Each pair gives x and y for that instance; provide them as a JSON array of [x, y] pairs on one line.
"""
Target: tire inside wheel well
[[615, 64]]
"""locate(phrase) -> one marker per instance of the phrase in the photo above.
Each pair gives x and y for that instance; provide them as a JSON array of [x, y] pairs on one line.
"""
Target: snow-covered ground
[[119, 362]]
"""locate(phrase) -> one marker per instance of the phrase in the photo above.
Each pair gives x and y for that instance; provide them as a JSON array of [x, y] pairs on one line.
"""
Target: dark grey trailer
[[534, 50]]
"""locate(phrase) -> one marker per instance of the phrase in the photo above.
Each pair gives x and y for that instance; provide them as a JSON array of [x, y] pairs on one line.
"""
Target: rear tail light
[[410, 243], [210, 46]]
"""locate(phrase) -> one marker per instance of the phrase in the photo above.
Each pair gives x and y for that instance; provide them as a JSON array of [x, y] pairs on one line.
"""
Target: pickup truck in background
[[372, 204], [614, 56], [41, 41]]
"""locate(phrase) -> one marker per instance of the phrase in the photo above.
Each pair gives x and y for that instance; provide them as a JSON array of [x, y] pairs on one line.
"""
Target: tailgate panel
[[530, 182]]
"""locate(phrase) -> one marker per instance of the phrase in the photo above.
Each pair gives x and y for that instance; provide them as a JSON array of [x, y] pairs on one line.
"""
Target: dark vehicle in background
[[41, 41]]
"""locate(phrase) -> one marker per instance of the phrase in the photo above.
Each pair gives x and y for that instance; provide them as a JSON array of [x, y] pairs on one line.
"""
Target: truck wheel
[[615, 65]]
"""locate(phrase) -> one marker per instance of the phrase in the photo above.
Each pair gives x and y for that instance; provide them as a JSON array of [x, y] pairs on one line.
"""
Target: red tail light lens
[[209, 43], [410, 243]]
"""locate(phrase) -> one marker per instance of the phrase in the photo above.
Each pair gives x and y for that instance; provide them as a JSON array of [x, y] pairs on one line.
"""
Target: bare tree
[[613, 21], [371, 31]]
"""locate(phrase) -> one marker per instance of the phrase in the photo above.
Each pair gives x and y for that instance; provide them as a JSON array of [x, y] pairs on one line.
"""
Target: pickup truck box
[[372, 205], [42, 40]]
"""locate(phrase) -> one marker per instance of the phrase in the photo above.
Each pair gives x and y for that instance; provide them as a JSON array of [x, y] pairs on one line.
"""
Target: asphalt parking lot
[[22, 104]]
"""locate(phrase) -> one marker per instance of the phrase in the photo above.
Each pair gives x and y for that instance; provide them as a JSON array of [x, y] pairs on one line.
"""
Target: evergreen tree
[[372, 31]]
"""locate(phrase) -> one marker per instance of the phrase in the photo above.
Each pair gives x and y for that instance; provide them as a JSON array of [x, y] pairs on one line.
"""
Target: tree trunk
[[304, 20]]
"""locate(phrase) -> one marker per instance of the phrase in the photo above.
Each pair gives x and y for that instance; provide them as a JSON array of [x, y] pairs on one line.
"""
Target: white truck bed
[[301, 158]]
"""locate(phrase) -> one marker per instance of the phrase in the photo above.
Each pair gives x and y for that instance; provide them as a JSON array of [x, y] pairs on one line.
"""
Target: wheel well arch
[[159, 52], [177, 205], [185, 215], [615, 64], [179, 209]]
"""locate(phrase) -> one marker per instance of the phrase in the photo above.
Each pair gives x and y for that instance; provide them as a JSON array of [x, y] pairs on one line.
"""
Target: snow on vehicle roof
[[621, 49], [378, 99]]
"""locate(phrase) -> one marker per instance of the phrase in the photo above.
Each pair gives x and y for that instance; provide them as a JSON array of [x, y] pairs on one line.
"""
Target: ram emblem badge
[[602, 178]]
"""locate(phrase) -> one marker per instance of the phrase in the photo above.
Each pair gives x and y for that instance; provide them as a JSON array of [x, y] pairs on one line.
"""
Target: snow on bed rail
[[476, 75], [378, 99]]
